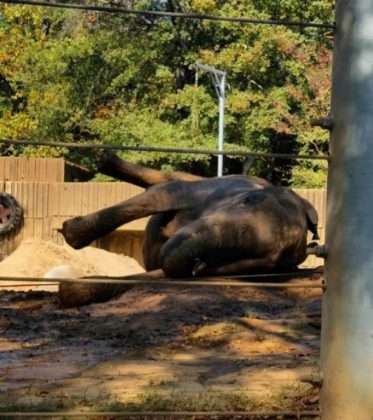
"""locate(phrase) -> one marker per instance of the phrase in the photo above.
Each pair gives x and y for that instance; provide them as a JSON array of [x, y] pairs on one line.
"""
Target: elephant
[[229, 225]]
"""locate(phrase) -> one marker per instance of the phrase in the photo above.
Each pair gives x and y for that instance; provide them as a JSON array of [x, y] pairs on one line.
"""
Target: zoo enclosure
[[347, 391]]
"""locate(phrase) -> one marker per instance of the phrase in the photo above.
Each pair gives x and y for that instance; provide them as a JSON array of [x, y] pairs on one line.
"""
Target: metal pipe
[[347, 331], [169, 282], [319, 251], [218, 79], [30, 284], [324, 122], [160, 149], [210, 69]]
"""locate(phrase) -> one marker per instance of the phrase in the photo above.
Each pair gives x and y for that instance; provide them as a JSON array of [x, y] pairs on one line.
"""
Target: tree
[[78, 76]]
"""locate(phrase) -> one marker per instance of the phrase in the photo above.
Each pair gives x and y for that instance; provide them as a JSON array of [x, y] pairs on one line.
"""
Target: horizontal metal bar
[[206, 414], [29, 284], [120, 10], [161, 149], [170, 282], [303, 272]]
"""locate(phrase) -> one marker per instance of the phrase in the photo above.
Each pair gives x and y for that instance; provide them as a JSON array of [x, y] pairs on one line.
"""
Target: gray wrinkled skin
[[230, 225]]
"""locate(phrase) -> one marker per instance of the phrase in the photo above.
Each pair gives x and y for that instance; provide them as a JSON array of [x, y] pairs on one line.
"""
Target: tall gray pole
[[347, 332], [221, 123], [218, 79]]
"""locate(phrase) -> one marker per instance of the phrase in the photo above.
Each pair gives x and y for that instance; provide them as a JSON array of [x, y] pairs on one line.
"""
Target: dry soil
[[187, 348]]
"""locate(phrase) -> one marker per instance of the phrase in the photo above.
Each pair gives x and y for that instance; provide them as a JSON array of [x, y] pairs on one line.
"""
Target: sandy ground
[[40, 259], [198, 346]]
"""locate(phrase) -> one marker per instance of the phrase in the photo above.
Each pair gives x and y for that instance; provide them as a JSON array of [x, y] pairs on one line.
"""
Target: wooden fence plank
[[32, 169]]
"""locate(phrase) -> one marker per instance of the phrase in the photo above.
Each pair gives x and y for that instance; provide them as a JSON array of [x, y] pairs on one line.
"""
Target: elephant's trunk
[[187, 253], [83, 293]]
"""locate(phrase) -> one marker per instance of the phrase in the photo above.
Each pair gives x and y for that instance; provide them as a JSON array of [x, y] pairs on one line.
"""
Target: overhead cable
[[120, 10]]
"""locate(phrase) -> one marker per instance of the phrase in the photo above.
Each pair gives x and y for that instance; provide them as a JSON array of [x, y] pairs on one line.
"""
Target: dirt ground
[[154, 348]]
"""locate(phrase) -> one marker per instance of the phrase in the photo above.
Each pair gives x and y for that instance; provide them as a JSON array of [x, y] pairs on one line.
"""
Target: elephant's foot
[[97, 156], [77, 232], [106, 160]]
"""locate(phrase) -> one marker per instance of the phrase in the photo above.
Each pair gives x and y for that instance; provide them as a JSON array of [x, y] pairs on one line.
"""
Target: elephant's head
[[261, 229]]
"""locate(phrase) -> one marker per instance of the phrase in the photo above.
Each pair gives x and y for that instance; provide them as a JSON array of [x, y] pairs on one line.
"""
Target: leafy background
[[75, 76]]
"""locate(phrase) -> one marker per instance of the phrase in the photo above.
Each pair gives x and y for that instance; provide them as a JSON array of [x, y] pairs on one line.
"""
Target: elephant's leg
[[173, 196], [112, 165]]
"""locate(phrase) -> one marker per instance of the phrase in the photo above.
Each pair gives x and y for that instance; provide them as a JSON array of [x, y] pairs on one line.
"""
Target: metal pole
[[221, 124], [347, 331], [218, 79]]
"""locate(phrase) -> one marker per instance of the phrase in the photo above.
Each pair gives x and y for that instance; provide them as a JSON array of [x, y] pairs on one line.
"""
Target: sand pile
[[35, 258]]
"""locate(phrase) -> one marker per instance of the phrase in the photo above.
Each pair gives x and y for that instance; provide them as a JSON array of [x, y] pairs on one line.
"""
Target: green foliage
[[77, 76]]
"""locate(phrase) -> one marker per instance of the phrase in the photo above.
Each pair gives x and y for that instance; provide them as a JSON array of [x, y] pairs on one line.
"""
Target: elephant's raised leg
[[112, 165], [173, 196]]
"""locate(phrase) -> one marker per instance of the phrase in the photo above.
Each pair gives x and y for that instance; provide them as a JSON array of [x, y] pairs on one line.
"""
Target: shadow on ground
[[189, 348]]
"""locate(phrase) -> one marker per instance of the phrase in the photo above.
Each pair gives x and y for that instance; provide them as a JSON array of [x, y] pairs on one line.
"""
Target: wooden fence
[[47, 204], [32, 169]]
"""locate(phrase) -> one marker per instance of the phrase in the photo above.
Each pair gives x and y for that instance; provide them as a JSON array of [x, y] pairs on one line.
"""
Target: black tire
[[11, 214]]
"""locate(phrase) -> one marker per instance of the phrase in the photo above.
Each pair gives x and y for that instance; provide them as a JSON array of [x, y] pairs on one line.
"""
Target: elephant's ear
[[312, 218]]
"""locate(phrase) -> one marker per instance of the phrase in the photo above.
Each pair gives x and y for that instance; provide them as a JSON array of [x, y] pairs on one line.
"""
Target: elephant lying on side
[[204, 226]]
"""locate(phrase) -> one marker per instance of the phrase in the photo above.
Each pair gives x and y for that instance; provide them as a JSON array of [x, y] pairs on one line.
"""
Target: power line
[[162, 149], [120, 10]]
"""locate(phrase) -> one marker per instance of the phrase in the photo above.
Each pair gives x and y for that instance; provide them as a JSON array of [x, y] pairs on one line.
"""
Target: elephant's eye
[[255, 198]]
